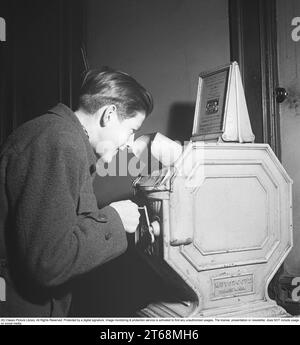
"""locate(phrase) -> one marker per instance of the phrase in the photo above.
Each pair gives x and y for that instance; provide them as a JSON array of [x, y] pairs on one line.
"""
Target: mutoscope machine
[[217, 223]]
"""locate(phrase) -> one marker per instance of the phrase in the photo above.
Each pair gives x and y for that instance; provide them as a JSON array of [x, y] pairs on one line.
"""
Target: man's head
[[112, 106]]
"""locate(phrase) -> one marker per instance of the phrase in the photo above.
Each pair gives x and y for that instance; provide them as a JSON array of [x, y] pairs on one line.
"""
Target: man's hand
[[129, 213]]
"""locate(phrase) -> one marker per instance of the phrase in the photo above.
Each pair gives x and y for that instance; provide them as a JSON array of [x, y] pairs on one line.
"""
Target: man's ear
[[108, 115]]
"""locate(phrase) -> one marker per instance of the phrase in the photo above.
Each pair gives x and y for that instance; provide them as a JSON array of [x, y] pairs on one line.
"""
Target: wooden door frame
[[253, 44]]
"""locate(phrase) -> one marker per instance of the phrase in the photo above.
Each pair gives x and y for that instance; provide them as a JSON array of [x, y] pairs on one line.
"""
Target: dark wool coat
[[51, 229]]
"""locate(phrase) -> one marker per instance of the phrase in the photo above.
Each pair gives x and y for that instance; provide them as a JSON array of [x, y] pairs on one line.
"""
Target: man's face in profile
[[116, 134]]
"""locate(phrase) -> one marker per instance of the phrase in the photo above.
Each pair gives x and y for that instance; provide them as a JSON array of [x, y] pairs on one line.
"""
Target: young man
[[51, 229]]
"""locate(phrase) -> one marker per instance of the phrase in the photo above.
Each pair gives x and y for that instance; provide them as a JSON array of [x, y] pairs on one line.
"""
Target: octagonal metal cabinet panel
[[230, 225]]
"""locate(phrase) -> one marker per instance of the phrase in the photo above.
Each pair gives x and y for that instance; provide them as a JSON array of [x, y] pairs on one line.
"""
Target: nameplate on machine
[[232, 286]]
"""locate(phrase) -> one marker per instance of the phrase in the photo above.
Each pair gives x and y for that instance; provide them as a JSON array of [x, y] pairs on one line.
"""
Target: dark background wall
[[165, 45]]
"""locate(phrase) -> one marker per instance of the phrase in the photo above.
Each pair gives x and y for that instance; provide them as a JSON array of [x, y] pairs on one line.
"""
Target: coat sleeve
[[54, 241]]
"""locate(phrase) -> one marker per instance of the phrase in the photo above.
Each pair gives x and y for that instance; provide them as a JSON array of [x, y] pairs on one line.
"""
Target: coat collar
[[67, 114], [63, 111]]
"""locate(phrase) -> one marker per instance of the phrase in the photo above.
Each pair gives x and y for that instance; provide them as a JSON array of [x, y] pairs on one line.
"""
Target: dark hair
[[108, 86]]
